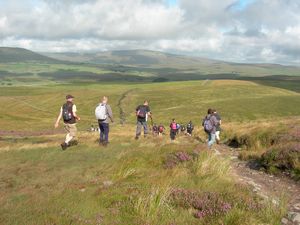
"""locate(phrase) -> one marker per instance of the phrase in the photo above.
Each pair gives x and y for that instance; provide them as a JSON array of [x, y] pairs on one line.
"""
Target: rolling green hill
[[14, 55], [183, 65]]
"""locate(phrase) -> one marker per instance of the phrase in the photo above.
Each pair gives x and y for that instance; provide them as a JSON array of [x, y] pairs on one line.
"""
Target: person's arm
[[74, 110], [58, 119], [110, 114]]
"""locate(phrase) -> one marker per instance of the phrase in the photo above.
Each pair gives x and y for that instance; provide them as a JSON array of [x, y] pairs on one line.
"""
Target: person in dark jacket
[[69, 114], [142, 113]]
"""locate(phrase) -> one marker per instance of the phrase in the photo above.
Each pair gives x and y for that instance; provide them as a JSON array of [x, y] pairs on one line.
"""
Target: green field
[[128, 182], [151, 181]]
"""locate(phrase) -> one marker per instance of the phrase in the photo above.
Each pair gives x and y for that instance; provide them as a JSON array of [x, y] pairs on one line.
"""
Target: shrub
[[284, 157]]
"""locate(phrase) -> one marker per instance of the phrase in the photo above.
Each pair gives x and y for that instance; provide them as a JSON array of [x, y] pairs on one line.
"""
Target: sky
[[246, 31]]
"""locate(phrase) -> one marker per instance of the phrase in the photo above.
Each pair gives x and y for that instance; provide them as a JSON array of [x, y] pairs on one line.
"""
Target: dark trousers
[[173, 134], [104, 130]]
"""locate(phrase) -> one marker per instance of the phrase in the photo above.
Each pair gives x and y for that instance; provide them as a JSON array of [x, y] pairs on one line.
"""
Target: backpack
[[161, 129], [142, 112], [67, 112], [100, 112], [182, 128], [189, 126], [207, 124], [174, 126]]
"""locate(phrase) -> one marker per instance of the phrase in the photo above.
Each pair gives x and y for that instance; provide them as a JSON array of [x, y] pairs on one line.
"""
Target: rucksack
[[142, 112], [182, 128], [174, 126], [161, 129], [100, 112], [207, 124], [67, 113], [189, 126]]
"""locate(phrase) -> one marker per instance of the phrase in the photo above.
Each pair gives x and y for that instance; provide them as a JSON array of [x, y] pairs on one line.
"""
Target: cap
[[69, 96]]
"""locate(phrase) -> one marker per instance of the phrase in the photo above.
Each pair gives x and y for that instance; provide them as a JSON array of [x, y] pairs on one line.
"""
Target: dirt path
[[267, 186], [121, 110]]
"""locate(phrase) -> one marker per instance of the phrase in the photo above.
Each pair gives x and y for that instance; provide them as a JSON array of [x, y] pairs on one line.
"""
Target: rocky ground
[[265, 185]]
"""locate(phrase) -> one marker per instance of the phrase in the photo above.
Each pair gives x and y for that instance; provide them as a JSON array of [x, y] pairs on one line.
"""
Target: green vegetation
[[150, 181], [125, 183]]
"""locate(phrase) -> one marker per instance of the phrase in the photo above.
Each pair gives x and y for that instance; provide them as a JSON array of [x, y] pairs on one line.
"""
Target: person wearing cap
[[69, 114]]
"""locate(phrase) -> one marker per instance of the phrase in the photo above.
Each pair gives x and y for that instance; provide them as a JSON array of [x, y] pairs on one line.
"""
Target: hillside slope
[[186, 64], [13, 55]]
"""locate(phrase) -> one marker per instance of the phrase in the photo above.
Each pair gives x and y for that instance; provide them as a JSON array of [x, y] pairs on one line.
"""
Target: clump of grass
[[210, 166], [151, 206]]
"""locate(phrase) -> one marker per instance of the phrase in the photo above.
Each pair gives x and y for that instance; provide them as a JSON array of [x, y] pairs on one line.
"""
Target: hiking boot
[[105, 143], [64, 146], [136, 138]]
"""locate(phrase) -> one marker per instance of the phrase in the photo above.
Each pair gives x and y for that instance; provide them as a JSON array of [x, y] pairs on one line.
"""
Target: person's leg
[[212, 140], [101, 126], [138, 129], [106, 132], [145, 125], [218, 137]]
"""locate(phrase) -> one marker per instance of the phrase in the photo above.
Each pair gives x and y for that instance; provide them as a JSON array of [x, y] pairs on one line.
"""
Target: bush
[[284, 157]]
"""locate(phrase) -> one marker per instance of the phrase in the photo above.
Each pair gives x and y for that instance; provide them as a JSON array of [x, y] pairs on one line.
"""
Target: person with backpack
[[210, 124], [155, 130], [68, 112], [189, 128], [182, 128], [104, 115], [173, 129], [218, 129], [161, 130], [178, 128], [142, 113]]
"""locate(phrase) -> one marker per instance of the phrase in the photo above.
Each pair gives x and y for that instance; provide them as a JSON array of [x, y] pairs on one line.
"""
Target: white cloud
[[261, 31]]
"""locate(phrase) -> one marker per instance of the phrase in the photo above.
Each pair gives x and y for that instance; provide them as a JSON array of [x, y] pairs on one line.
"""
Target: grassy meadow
[[150, 181]]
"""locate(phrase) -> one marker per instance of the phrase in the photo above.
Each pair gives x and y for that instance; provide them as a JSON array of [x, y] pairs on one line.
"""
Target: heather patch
[[175, 158]]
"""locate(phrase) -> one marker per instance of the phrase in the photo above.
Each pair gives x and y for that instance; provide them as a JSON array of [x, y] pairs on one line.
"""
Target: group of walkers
[[103, 112]]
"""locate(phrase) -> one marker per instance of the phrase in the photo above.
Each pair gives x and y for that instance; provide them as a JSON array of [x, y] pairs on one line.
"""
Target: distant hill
[[183, 65], [134, 57], [11, 55]]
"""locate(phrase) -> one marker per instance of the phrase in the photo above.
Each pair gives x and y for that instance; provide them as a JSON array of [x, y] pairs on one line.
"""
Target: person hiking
[[104, 115], [218, 128], [173, 129], [155, 130], [189, 128], [182, 128], [142, 113], [161, 129], [178, 128], [210, 124], [68, 112]]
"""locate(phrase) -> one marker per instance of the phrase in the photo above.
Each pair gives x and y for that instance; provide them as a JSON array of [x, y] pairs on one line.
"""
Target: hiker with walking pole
[[68, 112], [142, 113]]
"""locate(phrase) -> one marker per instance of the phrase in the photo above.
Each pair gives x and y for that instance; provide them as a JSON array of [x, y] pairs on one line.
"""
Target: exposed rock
[[284, 221], [296, 218]]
